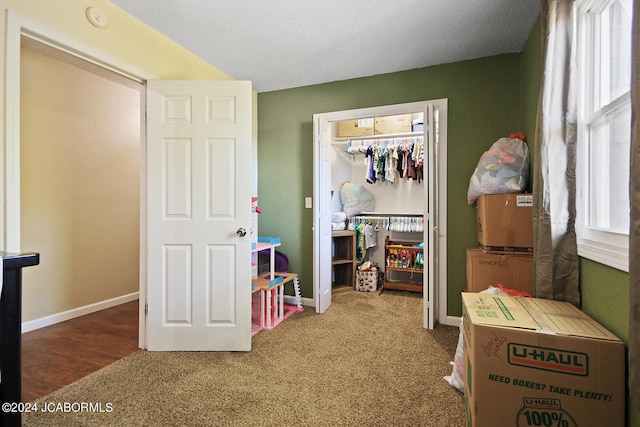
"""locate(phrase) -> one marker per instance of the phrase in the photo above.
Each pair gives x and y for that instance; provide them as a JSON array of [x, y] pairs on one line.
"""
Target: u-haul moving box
[[536, 362]]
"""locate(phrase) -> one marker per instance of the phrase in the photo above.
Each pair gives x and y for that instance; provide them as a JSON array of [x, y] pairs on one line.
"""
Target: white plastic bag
[[504, 168], [456, 379]]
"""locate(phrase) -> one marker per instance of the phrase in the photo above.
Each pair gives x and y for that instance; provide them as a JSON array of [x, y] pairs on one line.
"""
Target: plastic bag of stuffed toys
[[355, 199], [504, 168]]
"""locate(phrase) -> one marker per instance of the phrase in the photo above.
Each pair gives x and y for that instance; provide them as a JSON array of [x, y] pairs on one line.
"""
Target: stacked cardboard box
[[361, 127], [393, 124], [505, 223], [376, 126], [486, 269], [505, 244], [536, 362]]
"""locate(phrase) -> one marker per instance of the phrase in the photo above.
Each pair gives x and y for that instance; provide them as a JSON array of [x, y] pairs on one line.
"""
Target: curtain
[[554, 179], [634, 198]]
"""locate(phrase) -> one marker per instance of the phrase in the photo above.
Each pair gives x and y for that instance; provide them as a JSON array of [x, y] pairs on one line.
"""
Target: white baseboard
[[32, 325], [452, 321], [291, 300]]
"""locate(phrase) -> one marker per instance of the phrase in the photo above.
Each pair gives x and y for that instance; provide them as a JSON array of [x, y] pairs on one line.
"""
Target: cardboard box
[[362, 127], [393, 124], [490, 269], [536, 362], [505, 222]]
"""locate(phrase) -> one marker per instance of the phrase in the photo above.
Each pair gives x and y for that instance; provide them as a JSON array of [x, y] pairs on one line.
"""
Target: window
[[604, 130]]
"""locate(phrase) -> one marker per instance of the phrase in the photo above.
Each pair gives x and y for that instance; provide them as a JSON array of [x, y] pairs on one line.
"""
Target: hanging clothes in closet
[[406, 224], [365, 239], [390, 159]]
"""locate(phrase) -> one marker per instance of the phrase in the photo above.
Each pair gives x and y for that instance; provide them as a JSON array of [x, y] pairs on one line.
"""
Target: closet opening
[[380, 192], [79, 184]]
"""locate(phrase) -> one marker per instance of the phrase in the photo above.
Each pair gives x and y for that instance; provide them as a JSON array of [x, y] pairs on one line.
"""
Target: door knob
[[241, 232]]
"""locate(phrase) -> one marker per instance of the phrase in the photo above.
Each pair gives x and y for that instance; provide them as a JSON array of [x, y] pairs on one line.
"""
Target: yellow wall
[[79, 184], [125, 37]]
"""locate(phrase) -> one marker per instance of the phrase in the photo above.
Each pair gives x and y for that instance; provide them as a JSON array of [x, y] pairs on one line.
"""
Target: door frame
[[17, 27], [440, 289]]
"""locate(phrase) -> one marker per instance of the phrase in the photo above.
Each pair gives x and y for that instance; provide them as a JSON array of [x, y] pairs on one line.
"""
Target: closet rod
[[372, 140], [360, 218], [393, 222], [361, 146], [387, 215]]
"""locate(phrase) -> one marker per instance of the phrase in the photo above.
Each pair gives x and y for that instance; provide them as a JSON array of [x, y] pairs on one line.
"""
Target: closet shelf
[[343, 258], [385, 214], [407, 255], [405, 269], [345, 139]]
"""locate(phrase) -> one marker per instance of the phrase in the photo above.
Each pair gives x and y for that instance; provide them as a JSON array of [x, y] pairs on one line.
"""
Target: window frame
[[606, 247]]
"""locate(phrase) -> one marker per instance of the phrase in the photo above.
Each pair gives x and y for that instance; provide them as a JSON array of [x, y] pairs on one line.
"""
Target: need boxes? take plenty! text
[[537, 362]]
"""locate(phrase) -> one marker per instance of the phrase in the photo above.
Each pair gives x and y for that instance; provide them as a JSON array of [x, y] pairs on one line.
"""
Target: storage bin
[[367, 281]]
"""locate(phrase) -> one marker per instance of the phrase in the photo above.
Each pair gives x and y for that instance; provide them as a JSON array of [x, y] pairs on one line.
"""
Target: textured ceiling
[[280, 44]]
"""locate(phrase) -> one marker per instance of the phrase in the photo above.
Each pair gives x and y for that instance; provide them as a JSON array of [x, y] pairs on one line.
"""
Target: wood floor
[[60, 354]]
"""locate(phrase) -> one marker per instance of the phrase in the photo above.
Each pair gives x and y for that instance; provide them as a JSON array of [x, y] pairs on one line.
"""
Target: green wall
[[530, 73], [483, 106], [605, 297]]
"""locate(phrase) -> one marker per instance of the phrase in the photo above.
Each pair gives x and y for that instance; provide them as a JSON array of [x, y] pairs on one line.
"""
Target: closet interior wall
[[402, 198]]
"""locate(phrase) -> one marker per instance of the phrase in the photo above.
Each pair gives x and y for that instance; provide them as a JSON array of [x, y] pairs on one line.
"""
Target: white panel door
[[198, 204], [430, 236], [322, 214]]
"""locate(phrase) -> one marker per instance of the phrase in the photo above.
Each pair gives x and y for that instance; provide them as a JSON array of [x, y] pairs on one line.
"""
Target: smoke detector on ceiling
[[97, 17]]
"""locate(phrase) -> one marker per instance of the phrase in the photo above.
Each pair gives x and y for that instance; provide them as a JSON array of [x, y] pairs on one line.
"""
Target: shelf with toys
[[407, 259], [268, 307]]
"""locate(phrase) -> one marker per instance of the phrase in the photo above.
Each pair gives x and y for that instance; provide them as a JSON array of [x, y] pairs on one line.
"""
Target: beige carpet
[[366, 362]]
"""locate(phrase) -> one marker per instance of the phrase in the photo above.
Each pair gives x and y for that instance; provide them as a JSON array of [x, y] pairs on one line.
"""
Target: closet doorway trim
[[322, 202]]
